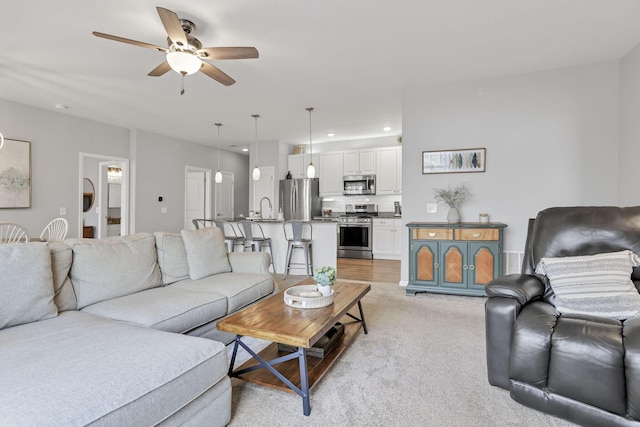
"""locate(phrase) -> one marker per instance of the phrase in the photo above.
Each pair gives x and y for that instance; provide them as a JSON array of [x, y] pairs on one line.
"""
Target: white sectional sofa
[[110, 332]]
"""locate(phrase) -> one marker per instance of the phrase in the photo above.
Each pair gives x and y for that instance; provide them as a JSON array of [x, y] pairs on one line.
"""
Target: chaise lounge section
[[112, 332]]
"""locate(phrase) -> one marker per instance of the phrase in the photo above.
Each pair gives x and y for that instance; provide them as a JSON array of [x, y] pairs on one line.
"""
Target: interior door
[[224, 197], [265, 187], [197, 199]]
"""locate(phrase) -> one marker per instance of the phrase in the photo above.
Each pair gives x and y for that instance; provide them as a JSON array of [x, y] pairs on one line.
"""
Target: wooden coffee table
[[272, 320]]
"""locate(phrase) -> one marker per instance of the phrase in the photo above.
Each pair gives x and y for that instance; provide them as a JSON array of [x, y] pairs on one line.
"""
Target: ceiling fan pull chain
[[182, 85]]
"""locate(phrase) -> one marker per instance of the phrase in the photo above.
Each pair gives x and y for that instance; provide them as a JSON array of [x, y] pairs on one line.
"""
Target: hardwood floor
[[377, 270]]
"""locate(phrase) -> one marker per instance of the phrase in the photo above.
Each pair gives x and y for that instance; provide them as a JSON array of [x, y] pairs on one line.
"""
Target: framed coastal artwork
[[454, 161], [15, 174]]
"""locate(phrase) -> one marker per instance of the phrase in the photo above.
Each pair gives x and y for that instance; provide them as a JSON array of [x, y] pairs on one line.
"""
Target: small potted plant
[[324, 277], [452, 197]]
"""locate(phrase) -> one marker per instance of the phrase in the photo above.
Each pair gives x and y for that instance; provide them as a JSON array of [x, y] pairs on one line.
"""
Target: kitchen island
[[325, 244]]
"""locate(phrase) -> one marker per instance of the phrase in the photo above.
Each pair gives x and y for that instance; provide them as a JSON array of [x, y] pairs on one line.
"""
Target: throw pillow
[[110, 268], [172, 257], [598, 285], [206, 252], [26, 284]]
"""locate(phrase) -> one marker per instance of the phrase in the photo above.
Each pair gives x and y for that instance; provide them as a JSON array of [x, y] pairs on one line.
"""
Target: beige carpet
[[422, 364]]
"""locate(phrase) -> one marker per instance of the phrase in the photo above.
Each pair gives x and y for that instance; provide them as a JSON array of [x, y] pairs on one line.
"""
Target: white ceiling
[[350, 59]]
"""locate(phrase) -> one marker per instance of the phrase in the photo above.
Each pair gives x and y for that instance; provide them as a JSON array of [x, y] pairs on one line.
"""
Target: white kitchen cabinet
[[387, 238], [389, 170], [359, 162], [297, 164], [330, 175]]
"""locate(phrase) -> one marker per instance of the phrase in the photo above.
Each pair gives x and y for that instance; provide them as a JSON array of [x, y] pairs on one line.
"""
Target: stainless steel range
[[355, 231]]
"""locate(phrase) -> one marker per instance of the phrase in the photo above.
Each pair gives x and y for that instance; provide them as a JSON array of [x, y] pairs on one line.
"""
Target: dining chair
[[231, 236], [201, 223], [10, 232], [55, 231]]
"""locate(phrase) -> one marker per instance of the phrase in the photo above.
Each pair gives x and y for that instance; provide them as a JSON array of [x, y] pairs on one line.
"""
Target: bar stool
[[231, 237], [254, 238], [299, 234]]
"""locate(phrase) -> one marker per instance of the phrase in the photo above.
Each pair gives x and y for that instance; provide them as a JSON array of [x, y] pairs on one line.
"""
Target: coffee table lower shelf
[[316, 367]]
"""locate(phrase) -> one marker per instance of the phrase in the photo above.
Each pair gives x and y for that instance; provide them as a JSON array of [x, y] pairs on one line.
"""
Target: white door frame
[[124, 220]]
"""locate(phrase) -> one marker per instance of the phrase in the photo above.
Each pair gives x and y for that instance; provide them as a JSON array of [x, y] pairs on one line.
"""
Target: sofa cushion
[[61, 256], [77, 369], [166, 308], [110, 268], [26, 284], [206, 252], [172, 257], [240, 288], [598, 285]]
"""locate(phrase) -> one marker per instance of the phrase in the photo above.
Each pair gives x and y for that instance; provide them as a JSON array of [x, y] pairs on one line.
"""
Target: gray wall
[[157, 167], [551, 140], [629, 172]]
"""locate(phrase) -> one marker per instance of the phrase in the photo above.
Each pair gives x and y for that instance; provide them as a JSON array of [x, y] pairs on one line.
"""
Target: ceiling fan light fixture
[[184, 63]]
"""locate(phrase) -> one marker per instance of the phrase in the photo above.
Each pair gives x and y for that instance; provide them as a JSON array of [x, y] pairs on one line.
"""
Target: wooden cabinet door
[[425, 263], [453, 262], [483, 263]]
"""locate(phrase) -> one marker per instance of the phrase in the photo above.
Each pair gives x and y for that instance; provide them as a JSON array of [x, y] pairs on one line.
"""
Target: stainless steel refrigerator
[[300, 198]]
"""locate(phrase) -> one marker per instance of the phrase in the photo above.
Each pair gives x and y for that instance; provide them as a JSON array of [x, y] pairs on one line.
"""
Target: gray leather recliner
[[585, 369]]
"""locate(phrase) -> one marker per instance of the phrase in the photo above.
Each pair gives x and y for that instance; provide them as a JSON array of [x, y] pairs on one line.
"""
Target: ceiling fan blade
[[228, 52], [173, 27], [216, 74], [129, 41], [160, 69]]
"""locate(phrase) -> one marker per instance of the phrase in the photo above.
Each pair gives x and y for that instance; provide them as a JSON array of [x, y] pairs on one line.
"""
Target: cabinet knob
[[465, 267], [471, 267], [432, 234], [436, 265]]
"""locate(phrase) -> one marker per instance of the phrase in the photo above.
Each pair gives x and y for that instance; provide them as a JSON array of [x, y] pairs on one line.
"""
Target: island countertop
[[325, 243]]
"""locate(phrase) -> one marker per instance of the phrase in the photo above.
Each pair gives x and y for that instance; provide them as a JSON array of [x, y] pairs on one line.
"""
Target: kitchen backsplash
[[336, 203]]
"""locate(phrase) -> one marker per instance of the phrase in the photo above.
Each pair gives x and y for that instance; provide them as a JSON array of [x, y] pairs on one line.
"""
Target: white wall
[[551, 140]]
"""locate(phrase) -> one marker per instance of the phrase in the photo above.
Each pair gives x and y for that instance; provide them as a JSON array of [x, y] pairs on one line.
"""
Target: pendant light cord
[[218, 125], [310, 109]]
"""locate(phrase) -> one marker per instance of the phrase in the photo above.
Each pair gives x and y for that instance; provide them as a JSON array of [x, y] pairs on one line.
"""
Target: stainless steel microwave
[[356, 185]]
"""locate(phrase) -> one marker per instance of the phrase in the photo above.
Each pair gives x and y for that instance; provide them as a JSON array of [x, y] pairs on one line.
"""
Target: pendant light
[[256, 170], [218, 176], [311, 170]]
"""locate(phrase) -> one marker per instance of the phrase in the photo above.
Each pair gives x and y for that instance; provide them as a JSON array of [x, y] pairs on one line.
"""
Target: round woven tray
[[292, 297]]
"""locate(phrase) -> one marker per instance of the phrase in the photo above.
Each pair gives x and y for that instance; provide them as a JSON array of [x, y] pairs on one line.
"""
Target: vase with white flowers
[[324, 277], [452, 197]]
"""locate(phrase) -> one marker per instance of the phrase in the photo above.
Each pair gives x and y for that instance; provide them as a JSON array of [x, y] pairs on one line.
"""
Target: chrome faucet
[[270, 206]]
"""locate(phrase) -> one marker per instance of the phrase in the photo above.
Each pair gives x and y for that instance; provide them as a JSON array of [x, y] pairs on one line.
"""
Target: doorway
[[197, 199], [93, 167]]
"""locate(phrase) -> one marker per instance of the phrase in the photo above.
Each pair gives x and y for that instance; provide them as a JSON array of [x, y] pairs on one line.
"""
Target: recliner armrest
[[522, 287]]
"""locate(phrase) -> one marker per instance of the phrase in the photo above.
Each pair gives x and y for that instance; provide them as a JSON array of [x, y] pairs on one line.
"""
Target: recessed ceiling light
[[245, 149], [331, 134], [386, 128], [60, 107]]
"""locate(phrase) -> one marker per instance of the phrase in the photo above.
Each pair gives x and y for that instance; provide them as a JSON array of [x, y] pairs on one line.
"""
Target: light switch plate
[[163, 210], [432, 207], [63, 211]]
